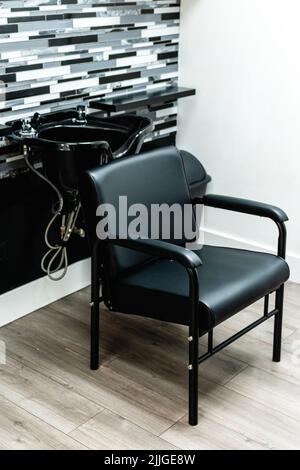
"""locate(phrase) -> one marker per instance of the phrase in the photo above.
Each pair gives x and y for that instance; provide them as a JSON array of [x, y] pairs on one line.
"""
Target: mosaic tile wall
[[57, 54]]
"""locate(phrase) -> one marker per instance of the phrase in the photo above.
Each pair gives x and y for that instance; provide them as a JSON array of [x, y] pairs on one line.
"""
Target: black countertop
[[142, 99]]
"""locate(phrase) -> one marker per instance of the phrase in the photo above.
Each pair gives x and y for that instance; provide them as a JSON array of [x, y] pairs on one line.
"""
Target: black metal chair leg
[[95, 336], [278, 325], [193, 379], [95, 301], [193, 347]]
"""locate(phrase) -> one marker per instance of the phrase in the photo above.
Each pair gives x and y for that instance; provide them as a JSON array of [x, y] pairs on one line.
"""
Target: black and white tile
[[56, 54]]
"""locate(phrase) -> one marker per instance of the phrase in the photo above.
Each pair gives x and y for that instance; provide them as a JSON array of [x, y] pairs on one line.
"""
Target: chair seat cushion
[[229, 281]]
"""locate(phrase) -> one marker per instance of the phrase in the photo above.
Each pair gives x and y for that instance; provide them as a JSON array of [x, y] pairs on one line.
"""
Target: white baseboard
[[30, 297], [219, 238]]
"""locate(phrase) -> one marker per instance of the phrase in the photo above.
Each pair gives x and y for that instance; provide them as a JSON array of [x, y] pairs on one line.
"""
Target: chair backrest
[[153, 177]]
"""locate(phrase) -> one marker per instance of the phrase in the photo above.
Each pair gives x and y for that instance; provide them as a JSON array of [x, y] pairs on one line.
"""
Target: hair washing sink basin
[[125, 134], [69, 143]]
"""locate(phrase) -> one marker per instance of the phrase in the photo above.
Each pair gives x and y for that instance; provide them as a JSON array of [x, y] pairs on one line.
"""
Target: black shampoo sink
[[70, 142]]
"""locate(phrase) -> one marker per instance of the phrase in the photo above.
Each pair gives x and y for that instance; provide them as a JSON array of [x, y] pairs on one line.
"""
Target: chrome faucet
[[81, 114], [27, 130]]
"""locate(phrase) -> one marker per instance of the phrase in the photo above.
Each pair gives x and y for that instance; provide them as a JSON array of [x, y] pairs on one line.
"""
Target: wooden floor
[[49, 399]]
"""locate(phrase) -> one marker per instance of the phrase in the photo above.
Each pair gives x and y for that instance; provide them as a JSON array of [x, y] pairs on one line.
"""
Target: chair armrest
[[161, 249], [185, 257], [250, 207], [245, 206]]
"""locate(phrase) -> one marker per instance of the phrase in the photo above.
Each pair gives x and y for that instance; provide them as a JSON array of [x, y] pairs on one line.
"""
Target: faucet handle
[[81, 113], [26, 125]]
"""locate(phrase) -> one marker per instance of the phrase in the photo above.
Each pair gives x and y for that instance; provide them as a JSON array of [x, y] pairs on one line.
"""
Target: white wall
[[35, 295], [243, 57]]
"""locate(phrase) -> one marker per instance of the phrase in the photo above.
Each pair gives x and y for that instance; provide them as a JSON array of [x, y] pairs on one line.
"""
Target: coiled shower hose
[[55, 251]]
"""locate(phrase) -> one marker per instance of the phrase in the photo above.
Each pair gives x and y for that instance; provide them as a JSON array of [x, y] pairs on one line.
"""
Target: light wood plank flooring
[[49, 399]]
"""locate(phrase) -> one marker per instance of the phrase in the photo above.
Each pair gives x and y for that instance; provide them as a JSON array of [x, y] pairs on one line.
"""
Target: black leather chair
[[164, 280]]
